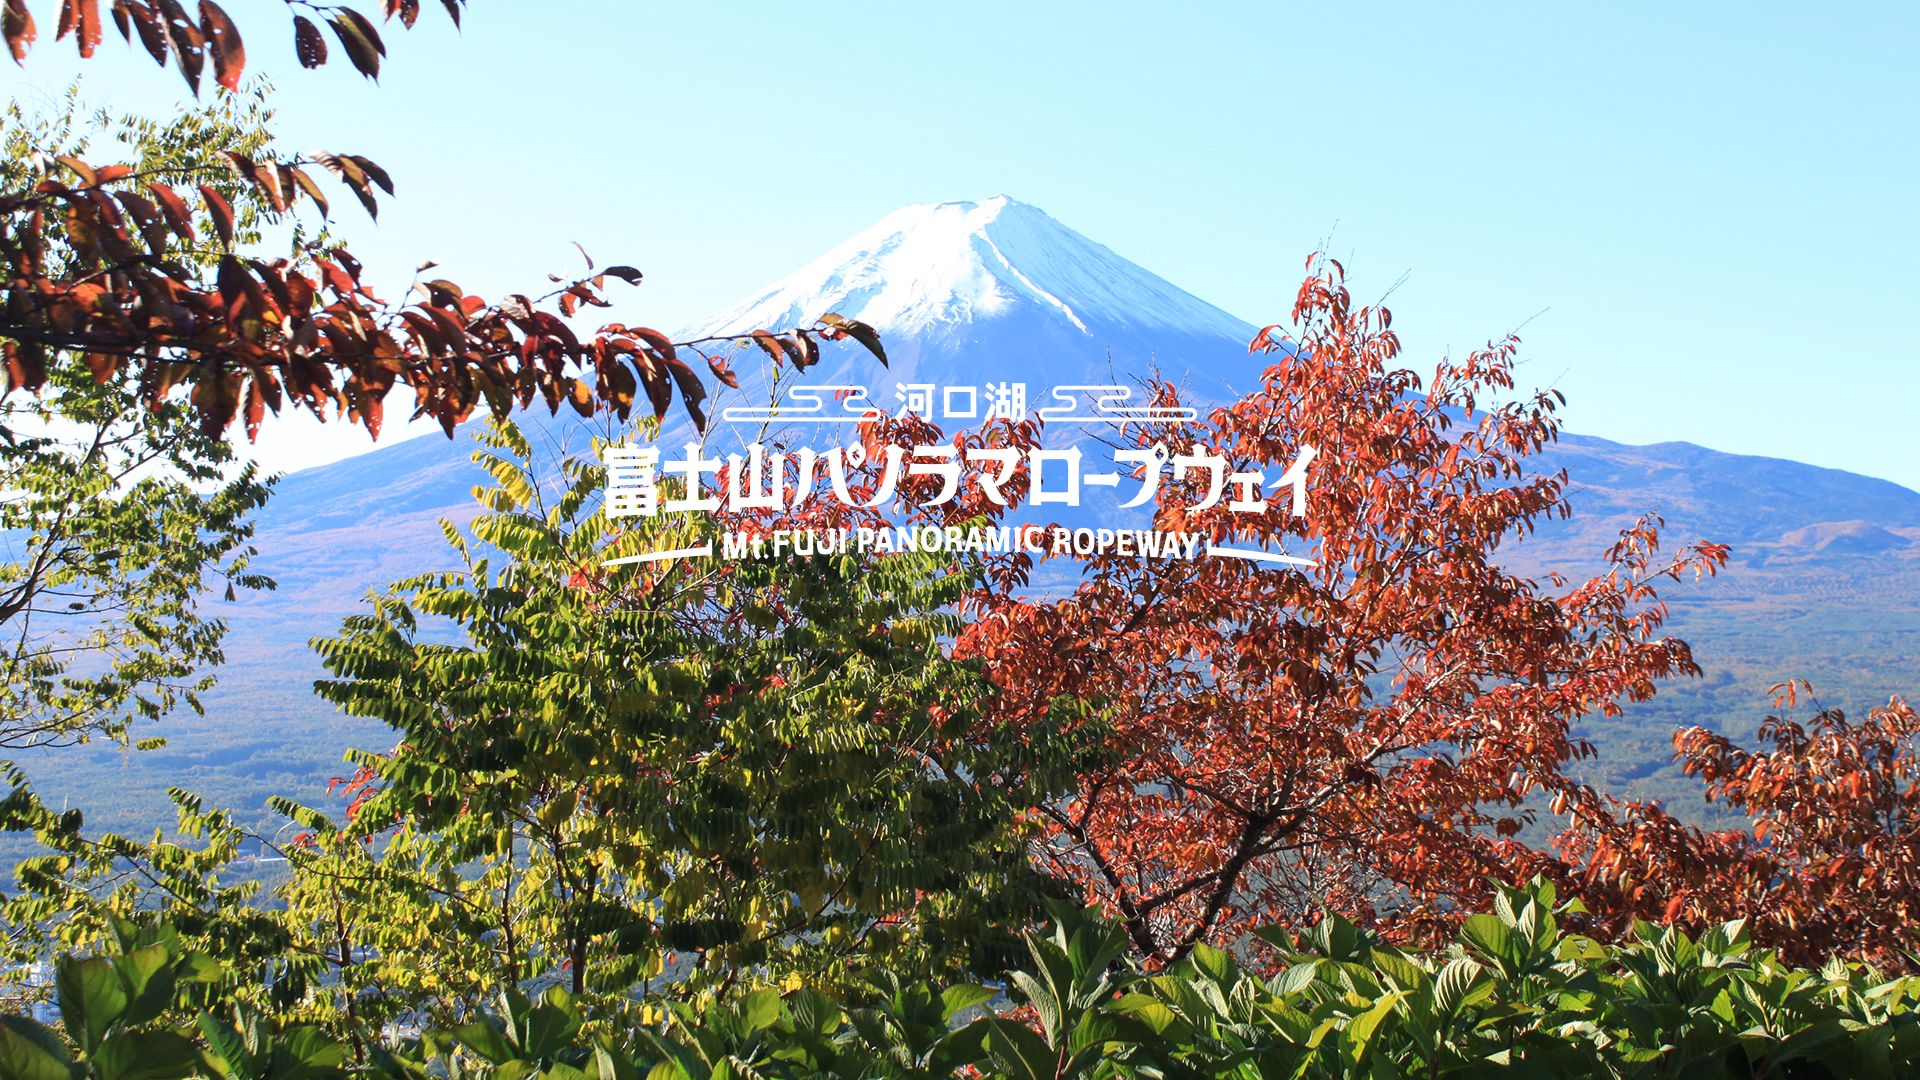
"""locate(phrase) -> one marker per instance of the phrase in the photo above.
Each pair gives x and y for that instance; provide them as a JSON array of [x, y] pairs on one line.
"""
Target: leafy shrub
[[1514, 996]]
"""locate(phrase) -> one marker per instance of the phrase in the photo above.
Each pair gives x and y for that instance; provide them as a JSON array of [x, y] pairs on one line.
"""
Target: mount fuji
[[996, 290], [960, 292], [1825, 580]]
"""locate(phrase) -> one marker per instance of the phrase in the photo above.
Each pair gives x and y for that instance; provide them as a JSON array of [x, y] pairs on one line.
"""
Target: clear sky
[[1707, 212]]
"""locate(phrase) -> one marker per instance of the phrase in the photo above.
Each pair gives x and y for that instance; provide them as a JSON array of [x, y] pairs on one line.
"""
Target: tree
[[1362, 732], [765, 765], [1830, 867], [117, 513], [140, 321], [111, 268], [139, 302]]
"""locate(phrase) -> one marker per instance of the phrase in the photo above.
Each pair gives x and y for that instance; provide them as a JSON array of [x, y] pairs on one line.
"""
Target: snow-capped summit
[[997, 289]]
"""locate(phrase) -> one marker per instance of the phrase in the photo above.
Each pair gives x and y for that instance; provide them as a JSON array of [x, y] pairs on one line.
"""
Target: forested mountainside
[[1824, 580]]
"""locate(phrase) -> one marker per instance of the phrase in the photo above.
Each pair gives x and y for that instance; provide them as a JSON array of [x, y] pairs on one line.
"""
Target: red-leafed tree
[[207, 37], [108, 267], [1361, 732], [139, 320], [1831, 865]]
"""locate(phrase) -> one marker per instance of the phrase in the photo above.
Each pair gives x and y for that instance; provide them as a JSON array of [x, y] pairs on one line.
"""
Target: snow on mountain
[[934, 268], [992, 290]]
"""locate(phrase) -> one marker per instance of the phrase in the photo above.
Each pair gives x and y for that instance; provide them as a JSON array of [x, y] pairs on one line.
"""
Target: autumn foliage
[[1360, 733], [169, 32], [264, 334], [1368, 727], [123, 267], [1831, 865]]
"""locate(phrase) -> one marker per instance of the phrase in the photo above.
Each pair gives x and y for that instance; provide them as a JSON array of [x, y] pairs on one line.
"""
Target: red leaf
[[780, 349], [659, 386], [374, 172], [360, 39], [223, 41], [347, 168], [16, 23], [307, 42], [221, 212], [26, 366], [1673, 908], [102, 365], [178, 218], [312, 189], [80, 168], [858, 331], [809, 350], [658, 340], [189, 47], [151, 34], [256, 408]]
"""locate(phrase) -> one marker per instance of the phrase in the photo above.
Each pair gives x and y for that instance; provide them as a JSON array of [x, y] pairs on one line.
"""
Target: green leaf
[[1405, 974], [1020, 1052], [960, 997], [1149, 1010], [1215, 964], [486, 1040], [225, 1043], [1277, 936], [30, 1050], [551, 1024], [963, 1046], [146, 1055], [1296, 978], [611, 1063], [760, 1010], [1490, 935], [92, 998], [1044, 1001], [1357, 1039], [813, 1012], [316, 1052], [1455, 986], [149, 976]]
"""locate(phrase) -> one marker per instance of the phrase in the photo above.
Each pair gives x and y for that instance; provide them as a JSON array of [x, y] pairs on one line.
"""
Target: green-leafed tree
[[725, 770], [118, 513]]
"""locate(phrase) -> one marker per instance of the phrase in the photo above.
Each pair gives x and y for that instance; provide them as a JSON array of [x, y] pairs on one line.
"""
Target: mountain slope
[[1825, 579]]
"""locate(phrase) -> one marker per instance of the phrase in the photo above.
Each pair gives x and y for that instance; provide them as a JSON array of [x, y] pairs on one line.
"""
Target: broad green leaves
[[1368, 1011], [110, 1008]]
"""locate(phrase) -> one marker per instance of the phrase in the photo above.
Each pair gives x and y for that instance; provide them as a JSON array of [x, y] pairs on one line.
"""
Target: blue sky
[[1707, 212]]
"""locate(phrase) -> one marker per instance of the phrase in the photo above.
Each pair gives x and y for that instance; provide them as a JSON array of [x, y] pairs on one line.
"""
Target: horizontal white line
[[1258, 556], [1129, 417], [661, 556]]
